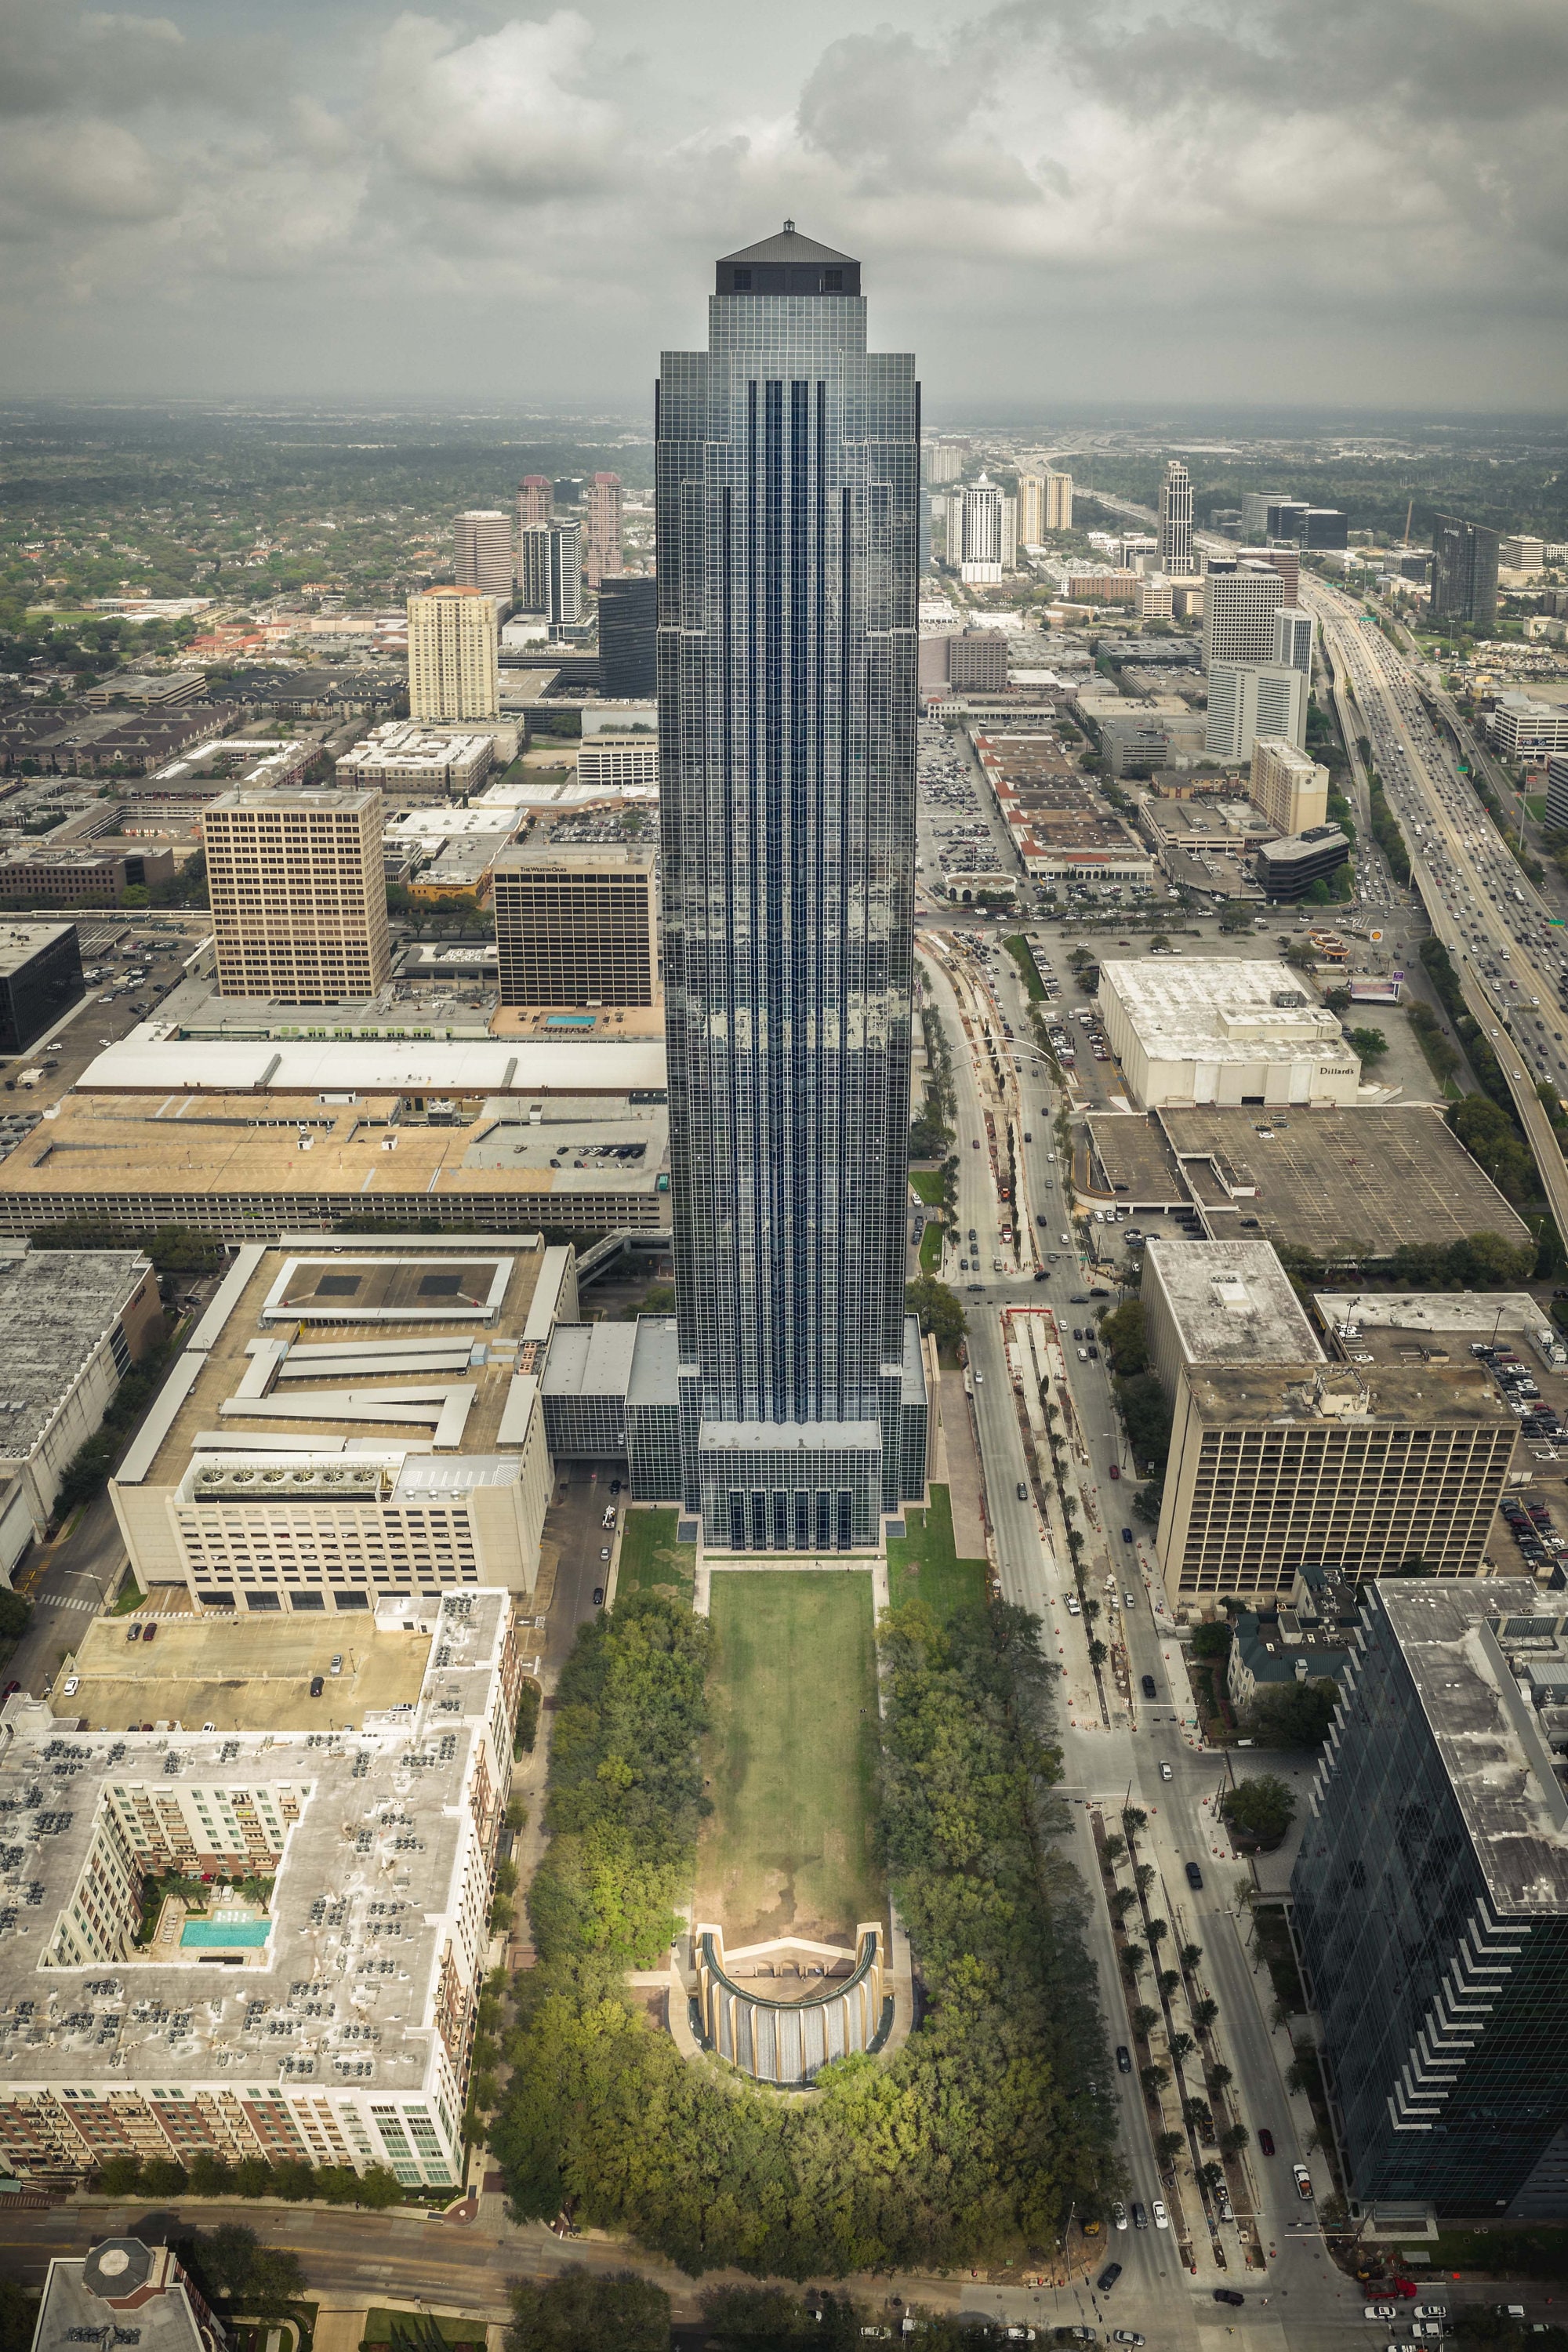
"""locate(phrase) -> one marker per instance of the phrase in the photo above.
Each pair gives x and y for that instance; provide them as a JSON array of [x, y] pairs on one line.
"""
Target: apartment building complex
[[453, 656], [1291, 790], [603, 552], [483, 549], [297, 894], [576, 926], [329, 2021], [1045, 504]]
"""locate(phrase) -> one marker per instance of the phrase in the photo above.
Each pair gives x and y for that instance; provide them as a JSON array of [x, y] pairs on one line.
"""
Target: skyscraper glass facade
[[1431, 1901], [787, 472]]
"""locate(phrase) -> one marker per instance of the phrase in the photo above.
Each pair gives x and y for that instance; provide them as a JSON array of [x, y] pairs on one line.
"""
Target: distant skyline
[[1357, 206]]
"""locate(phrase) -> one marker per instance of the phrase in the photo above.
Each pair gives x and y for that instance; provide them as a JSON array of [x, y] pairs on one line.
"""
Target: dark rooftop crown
[[787, 264]]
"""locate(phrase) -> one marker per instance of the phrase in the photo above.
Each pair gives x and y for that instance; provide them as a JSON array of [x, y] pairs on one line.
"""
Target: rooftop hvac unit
[[1286, 1000]]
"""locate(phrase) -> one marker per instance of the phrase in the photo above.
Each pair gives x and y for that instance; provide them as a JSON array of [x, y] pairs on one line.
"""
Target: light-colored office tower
[[535, 500], [1251, 698], [982, 533], [576, 926], [1286, 561], [1255, 505], [297, 894], [1176, 517], [1240, 604], [549, 572], [603, 549], [1291, 790], [1139, 552], [453, 656], [1293, 634], [944, 461], [484, 552], [1522, 554], [1153, 598]]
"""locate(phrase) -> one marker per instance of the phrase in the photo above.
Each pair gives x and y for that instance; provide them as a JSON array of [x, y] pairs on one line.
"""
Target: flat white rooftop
[[1221, 1011], [1231, 1303], [143, 1065]]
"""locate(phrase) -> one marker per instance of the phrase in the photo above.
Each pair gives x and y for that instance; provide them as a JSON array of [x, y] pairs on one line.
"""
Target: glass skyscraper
[[1431, 1899], [788, 485]]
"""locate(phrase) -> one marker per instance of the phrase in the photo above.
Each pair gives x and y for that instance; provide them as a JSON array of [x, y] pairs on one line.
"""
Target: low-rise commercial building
[[1523, 729], [125, 2287], [1430, 1902], [81, 877], [618, 763], [1273, 1650], [404, 761], [1287, 869], [348, 1424], [1211, 1031], [74, 1321], [324, 2015]]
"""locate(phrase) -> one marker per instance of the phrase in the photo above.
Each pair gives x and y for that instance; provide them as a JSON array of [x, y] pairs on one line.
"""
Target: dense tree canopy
[[580, 2313], [1262, 1809], [976, 2140], [1292, 1714]]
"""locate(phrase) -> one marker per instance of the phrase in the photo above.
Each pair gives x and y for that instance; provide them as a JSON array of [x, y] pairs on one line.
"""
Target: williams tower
[[788, 470]]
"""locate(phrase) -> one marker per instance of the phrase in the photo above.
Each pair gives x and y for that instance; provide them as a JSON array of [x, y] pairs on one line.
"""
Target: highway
[[1504, 939]]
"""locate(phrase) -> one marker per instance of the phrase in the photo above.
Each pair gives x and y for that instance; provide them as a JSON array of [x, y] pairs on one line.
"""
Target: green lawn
[[1023, 956], [651, 1557], [420, 2328], [924, 1566], [790, 1762], [1536, 804], [931, 1247], [926, 1185]]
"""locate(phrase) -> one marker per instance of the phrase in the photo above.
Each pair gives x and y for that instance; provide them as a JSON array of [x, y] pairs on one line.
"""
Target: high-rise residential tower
[[453, 656], [787, 470], [983, 532], [603, 549], [484, 552], [1176, 519], [1045, 504], [549, 572], [535, 500]]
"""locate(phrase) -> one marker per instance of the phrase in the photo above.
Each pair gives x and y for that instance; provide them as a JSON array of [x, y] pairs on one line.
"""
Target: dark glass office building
[[788, 495], [629, 636], [40, 978], [1464, 570], [1431, 1899], [1288, 867]]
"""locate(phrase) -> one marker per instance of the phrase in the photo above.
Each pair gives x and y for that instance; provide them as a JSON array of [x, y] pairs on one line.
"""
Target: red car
[[1265, 2140], [1406, 2287], [1114, 1471]]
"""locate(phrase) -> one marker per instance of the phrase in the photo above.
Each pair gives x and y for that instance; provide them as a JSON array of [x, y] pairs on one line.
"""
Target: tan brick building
[[298, 898]]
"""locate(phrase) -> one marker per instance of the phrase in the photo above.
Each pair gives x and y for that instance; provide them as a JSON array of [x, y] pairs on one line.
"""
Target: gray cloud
[[1156, 197]]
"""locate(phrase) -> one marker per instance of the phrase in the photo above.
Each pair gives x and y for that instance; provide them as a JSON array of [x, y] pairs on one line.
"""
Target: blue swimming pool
[[569, 1020], [209, 1933]]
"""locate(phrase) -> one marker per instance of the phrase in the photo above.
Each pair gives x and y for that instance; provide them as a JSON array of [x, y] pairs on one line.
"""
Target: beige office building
[[1273, 1468], [454, 663], [297, 894], [1290, 788], [576, 926], [603, 552], [484, 556]]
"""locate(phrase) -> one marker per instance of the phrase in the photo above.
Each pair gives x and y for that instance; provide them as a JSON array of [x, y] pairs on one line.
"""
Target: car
[[10, 1689], [1115, 1470], [1074, 1606], [1195, 1877], [975, 1143], [1126, 1535], [1149, 1690], [1079, 1298], [1042, 1274], [149, 1633], [1265, 2140], [1140, 2216], [1426, 2328], [1228, 2294], [1428, 2311], [598, 1596], [1299, 2172], [1083, 1354], [133, 1632], [318, 1684], [1023, 1491], [1380, 2311], [614, 1486], [1125, 2335], [1162, 2218], [1028, 1133], [1119, 2215], [1077, 1331], [1108, 2278], [603, 1551], [979, 1379], [1123, 2058], [72, 1686], [1164, 1771]]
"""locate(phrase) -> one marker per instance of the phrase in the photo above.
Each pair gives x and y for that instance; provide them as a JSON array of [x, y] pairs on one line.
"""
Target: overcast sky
[[1359, 202]]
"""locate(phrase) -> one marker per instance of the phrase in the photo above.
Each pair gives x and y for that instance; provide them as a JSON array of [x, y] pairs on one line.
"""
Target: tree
[[1098, 1654], [1134, 1959], [1155, 2079], [1205, 2013], [1168, 2145], [1191, 1955], [1218, 2079], [1370, 1044], [1133, 1819], [1169, 1981], [260, 2282], [1115, 1846], [1292, 1714], [1145, 1875], [18, 2318], [1144, 2020], [161, 2176], [1338, 999], [1235, 2139], [379, 2188], [1263, 1809], [210, 2175], [1182, 2047], [579, 2312], [120, 2176], [1212, 2175], [939, 1310], [1122, 1901], [1212, 1641], [14, 1611], [1158, 1930]]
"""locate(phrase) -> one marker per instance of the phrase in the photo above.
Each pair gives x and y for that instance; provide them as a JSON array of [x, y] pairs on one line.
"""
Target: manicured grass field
[[651, 1557], [1023, 955], [926, 1185], [924, 1566], [790, 1762], [931, 1247]]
